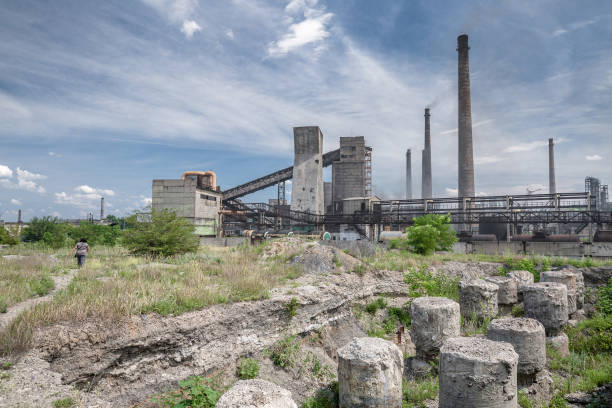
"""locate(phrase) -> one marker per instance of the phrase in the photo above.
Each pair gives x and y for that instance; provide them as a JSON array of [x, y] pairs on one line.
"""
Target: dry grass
[[114, 284]]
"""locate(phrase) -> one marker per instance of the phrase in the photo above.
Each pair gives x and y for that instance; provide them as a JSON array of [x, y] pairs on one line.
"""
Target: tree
[[6, 237], [429, 233], [164, 234]]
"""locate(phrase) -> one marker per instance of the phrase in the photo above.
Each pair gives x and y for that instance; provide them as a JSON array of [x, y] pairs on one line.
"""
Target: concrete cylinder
[[579, 289], [567, 278], [547, 303], [477, 373], [527, 336], [507, 293], [522, 278], [477, 298], [434, 319], [370, 374], [256, 394]]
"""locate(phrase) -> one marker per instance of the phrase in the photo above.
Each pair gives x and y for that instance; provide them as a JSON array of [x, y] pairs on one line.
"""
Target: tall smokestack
[[408, 175], [19, 217], [466, 154], [426, 173], [102, 209], [552, 185]]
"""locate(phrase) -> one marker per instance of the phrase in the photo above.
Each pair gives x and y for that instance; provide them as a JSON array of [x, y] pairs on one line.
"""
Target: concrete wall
[[200, 207], [307, 189], [562, 249], [349, 173], [223, 242], [327, 194]]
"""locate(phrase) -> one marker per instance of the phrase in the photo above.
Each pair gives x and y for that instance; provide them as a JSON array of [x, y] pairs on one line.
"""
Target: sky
[[98, 98]]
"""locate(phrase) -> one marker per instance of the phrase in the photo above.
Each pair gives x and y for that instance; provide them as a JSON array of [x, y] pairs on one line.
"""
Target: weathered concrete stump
[[477, 373], [507, 293], [528, 337], [579, 289], [256, 394], [370, 374], [547, 303], [477, 298], [522, 278], [568, 278], [560, 342], [434, 319]]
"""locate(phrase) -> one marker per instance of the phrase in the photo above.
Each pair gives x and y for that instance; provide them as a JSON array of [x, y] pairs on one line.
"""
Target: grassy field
[[114, 284]]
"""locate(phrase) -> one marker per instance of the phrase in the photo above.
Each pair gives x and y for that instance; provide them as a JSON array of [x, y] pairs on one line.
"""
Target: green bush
[[96, 234], [324, 398], [284, 352], [6, 238], [372, 307], [292, 307], [414, 393], [248, 369], [194, 392], [3, 305], [42, 286], [592, 335], [165, 234], [604, 299], [429, 233], [422, 282]]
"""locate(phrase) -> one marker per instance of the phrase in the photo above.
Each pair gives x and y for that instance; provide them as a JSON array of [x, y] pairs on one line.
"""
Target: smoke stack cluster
[[408, 175], [552, 185], [426, 164], [102, 209], [466, 153]]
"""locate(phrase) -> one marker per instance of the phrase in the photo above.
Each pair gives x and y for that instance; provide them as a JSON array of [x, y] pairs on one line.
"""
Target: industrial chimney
[[19, 217], [466, 154], [552, 185], [408, 175], [102, 209], [426, 164]]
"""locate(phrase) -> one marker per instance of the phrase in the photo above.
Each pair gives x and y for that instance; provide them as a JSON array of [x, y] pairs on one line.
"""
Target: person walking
[[80, 250]]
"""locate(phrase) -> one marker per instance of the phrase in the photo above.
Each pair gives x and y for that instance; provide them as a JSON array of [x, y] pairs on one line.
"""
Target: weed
[[422, 282], [360, 269], [518, 311], [324, 398], [3, 306], [248, 369], [337, 262], [7, 365], [284, 352], [194, 392], [523, 400], [592, 335], [604, 299], [64, 403], [558, 401], [292, 307], [402, 314], [414, 393], [318, 369], [5, 376], [372, 307]]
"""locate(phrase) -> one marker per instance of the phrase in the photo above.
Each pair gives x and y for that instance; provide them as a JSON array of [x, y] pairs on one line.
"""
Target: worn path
[[61, 282]]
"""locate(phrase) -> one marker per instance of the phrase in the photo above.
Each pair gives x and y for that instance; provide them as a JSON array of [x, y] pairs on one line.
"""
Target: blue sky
[[98, 98]]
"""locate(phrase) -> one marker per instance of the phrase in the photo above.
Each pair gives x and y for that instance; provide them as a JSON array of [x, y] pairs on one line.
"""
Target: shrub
[[165, 234], [558, 401], [604, 299], [429, 233], [372, 307], [422, 282], [592, 335], [292, 307], [248, 369], [194, 392], [6, 238], [324, 398], [42, 286], [518, 311], [96, 234], [3, 305], [414, 393], [284, 352]]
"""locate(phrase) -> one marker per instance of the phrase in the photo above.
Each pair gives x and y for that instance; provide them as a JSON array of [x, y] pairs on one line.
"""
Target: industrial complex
[[348, 210]]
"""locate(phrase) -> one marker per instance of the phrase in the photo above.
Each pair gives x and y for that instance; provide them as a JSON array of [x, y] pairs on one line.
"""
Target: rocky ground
[[124, 363]]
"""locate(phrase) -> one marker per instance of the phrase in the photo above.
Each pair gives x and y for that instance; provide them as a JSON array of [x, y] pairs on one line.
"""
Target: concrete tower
[[466, 153], [307, 194], [426, 164], [552, 185], [408, 175], [102, 209]]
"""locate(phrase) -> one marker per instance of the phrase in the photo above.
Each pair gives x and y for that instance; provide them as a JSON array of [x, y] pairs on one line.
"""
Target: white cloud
[[594, 157], [474, 125], [175, 10], [451, 192], [573, 26], [487, 159], [14, 201], [190, 27], [5, 172], [54, 154], [229, 33], [85, 189], [25, 180]]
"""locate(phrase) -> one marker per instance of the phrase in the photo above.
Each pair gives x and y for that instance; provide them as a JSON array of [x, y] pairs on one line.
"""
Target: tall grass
[[113, 285]]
